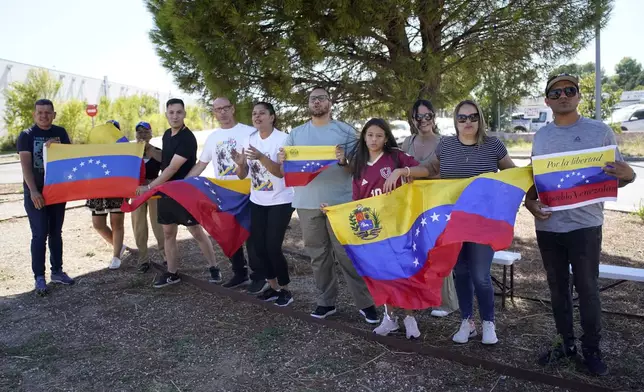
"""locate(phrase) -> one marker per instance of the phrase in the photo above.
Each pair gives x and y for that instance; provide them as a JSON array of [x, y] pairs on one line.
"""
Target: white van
[[532, 120], [630, 118]]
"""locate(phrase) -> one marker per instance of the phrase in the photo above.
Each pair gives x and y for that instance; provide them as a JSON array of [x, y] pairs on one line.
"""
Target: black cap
[[558, 78]]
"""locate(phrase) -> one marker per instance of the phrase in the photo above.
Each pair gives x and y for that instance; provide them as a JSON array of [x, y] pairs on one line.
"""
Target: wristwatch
[[633, 179]]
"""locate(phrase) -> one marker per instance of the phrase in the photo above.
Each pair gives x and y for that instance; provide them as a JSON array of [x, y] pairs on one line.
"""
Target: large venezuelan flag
[[574, 179], [88, 171], [403, 244], [304, 163], [220, 206]]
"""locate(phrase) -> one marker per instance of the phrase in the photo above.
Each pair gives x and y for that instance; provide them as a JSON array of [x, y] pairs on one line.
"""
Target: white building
[[80, 87]]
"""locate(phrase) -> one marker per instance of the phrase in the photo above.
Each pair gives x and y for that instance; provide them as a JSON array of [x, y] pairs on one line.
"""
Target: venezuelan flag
[[403, 244], [77, 171], [304, 163], [220, 206], [574, 179]]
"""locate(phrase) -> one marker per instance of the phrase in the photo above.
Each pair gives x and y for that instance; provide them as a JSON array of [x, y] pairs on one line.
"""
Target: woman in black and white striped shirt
[[470, 153]]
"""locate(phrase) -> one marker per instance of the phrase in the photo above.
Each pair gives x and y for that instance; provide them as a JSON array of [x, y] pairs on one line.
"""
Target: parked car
[[531, 121], [400, 129], [630, 118]]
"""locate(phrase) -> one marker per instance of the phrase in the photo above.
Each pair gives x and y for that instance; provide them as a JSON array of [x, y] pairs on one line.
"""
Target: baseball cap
[[561, 77], [116, 124], [144, 125]]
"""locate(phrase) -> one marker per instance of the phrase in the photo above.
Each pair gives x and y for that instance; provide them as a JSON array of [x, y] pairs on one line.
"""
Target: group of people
[[369, 163]]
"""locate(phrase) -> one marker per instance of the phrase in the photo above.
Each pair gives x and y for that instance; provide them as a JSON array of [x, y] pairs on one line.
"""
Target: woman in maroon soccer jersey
[[377, 157]]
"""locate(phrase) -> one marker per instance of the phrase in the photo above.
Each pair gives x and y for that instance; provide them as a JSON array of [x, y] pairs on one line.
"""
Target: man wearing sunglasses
[[331, 187], [573, 237]]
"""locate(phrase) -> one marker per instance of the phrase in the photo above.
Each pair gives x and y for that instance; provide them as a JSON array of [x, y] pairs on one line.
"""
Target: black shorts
[[169, 212]]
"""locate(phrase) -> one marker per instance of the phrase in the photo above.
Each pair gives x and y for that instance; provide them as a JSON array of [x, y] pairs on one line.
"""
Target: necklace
[[470, 152], [413, 149]]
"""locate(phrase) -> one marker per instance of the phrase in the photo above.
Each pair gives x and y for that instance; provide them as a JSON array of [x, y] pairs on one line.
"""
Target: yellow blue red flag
[[304, 163], [574, 179], [220, 206], [89, 171], [404, 243]]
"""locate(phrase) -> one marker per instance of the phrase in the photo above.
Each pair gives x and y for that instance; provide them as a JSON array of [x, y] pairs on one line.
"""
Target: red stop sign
[[91, 110]]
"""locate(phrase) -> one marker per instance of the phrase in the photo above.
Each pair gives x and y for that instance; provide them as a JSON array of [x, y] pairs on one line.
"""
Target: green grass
[[518, 145], [640, 211]]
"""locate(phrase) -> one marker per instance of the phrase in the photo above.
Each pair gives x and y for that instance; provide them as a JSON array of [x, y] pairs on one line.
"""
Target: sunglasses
[[462, 118], [555, 93], [425, 116]]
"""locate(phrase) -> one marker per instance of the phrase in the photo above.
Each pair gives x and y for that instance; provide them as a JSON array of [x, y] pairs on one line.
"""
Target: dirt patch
[[113, 331], [10, 189]]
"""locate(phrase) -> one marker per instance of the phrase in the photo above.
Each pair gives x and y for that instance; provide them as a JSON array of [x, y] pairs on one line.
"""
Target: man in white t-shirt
[[230, 136]]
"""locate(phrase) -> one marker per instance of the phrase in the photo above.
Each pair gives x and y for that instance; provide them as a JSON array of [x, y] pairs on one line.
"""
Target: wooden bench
[[614, 272], [506, 259]]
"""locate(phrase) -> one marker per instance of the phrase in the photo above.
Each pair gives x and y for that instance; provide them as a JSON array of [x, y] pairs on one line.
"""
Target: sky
[[99, 38]]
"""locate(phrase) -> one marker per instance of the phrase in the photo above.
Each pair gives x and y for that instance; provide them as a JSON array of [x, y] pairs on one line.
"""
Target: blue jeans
[[472, 274], [46, 223]]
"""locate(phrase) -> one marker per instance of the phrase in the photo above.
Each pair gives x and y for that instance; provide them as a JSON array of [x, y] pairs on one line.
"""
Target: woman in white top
[[422, 146], [270, 202]]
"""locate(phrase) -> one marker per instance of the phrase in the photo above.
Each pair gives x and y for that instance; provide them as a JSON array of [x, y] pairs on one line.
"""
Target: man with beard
[[573, 237], [218, 150], [332, 186]]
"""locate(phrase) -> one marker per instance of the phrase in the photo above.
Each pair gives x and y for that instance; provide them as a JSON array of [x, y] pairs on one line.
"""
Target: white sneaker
[[115, 263], [387, 326], [489, 333], [467, 331], [440, 313], [411, 327]]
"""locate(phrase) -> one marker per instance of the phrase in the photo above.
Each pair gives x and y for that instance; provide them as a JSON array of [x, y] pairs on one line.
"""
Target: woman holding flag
[[468, 154], [112, 206], [270, 202], [422, 146]]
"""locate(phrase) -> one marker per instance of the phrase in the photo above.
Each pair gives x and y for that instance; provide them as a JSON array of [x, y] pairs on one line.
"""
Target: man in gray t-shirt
[[573, 237], [332, 186]]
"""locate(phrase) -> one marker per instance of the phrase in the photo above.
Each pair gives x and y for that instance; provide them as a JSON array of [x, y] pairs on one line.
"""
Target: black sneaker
[[323, 312], [257, 287], [269, 295], [285, 298], [236, 281], [143, 267], [370, 315], [166, 279], [557, 355], [594, 363], [215, 275]]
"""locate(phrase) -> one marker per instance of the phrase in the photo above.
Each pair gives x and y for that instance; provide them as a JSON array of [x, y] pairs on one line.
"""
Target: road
[[10, 173], [628, 199]]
